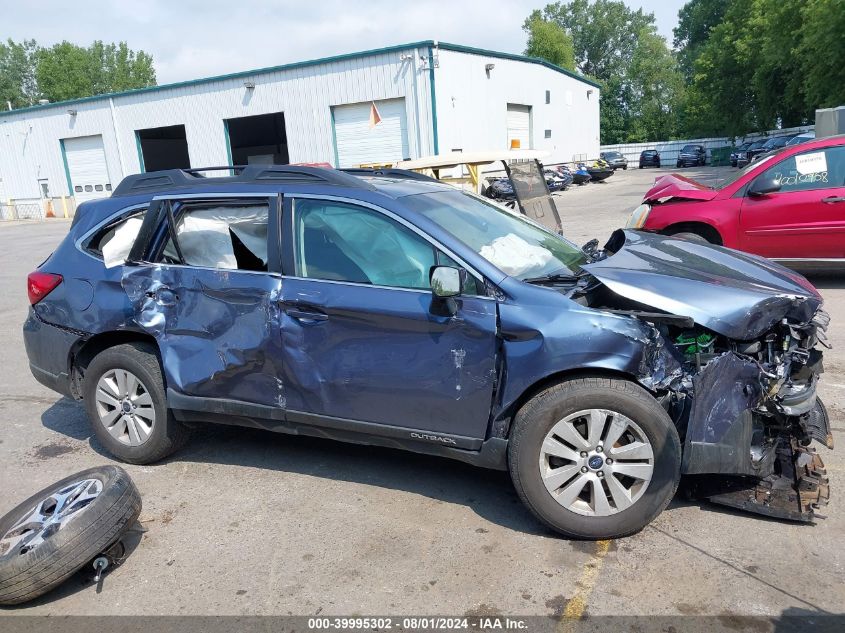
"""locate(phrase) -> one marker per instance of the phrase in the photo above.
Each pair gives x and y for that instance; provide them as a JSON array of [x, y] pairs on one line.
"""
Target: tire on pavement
[[55, 532], [149, 432], [691, 237], [532, 469]]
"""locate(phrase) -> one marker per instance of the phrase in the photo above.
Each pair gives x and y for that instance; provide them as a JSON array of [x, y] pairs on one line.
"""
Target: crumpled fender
[[571, 337]]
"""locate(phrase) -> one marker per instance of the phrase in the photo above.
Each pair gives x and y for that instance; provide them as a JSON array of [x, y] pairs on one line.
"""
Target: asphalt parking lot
[[247, 522]]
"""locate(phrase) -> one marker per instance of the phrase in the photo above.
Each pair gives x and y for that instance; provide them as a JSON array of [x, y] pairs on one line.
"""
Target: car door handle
[[306, 316], [833, 199]]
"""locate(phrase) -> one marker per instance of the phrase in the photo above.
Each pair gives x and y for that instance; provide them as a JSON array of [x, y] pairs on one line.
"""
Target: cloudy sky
[[199, 38]]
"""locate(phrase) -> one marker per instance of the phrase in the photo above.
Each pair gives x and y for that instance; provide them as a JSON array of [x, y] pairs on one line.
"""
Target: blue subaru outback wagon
[[389, 309]]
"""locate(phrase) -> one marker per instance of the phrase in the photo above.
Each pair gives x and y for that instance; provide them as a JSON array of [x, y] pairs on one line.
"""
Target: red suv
[[788, 205]]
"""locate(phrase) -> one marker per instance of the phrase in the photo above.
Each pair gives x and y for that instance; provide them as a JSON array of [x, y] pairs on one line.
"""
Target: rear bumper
[[48, 349]]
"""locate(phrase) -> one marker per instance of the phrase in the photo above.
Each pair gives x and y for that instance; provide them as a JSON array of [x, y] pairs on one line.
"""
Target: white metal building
[[430, 97]]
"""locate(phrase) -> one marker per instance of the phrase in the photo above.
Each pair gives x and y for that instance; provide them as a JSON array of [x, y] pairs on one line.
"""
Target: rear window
[[690, 148], [113, 241]]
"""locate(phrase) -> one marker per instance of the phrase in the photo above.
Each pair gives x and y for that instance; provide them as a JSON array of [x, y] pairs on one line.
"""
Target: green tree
[[121, 68], [695, 21], [17, 73], [547, 40], [622, 50], [656, 89], [68, 71], [822, 52], [720, 98], [604, 33], [65, 71]]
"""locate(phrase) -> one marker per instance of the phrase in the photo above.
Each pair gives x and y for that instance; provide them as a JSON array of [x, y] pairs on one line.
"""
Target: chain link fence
[[22, 211], [36, 209]]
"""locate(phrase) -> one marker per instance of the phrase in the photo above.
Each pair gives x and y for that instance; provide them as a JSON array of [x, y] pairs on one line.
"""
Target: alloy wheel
[[125, 407], [596, 462], [49, 516]]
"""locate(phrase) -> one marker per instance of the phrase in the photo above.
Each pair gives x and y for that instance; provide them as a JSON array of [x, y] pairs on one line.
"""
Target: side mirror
[[446, 284], [763, 186], [446, 281]]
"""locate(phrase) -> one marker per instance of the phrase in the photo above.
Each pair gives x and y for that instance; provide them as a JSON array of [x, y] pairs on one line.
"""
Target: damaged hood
[[734, 294], [677, 186]]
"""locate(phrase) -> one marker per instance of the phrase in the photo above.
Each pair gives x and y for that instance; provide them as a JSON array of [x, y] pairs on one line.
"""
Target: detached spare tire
[[55, 532]]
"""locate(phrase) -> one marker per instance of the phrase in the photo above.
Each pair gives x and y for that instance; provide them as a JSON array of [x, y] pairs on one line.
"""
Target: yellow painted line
[[577, 605]]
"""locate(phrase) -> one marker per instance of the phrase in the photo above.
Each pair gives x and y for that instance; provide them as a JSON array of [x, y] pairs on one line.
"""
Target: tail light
[[39, 285]]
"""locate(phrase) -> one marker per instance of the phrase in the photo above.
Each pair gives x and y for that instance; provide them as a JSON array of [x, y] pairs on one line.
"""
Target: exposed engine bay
[[740, 384]]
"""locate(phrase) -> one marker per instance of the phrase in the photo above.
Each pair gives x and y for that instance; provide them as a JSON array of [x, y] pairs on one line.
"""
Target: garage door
[[519, 125], [86, 164], [358, 142]]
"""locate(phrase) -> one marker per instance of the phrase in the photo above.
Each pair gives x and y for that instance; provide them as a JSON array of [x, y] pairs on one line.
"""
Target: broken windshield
[[515, 245]]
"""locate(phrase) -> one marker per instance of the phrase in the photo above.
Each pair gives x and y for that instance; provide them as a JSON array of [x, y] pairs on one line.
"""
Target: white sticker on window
[[811, 163]]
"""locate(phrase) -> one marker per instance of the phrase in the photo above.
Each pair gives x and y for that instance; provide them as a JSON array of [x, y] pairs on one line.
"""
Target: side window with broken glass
[[113, 241], [229, 236]]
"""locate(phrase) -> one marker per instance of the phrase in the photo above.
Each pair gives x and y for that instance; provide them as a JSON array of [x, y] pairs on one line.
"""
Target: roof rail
[[388, 172], [241, 174]]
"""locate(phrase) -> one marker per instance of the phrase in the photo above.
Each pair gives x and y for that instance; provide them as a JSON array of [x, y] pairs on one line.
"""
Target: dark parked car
[[615, 159], [649, 158], [739, 149], [804, 137], [773, 144], [692, 156], [744, 157], [406, 313], [500, 189]]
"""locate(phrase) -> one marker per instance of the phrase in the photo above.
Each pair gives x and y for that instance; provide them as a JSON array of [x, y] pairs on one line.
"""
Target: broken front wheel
[[60, 529]]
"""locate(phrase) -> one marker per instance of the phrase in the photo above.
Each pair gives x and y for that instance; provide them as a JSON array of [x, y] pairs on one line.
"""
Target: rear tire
[[156, 433], [31, 568], [541, 417]]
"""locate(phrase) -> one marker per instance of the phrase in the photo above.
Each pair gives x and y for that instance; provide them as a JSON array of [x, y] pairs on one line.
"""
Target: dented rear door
[[204, 280]]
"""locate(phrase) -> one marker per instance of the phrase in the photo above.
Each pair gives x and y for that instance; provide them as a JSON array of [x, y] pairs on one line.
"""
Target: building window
[[548, 134], [548, 96]]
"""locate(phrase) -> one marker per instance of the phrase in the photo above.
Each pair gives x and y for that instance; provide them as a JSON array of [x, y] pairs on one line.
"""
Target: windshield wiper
[[551, 278]]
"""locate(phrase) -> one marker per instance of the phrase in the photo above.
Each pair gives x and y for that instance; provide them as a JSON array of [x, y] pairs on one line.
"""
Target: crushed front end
[[747, 334], [748, 412]]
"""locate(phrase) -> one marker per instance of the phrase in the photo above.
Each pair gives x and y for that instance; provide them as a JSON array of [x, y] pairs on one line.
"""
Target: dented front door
[[360, 349], [216, 325]]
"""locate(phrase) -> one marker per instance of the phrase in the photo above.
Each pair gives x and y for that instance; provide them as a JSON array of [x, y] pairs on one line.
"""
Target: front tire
[[594, 458], [691, 237], [125, 400]]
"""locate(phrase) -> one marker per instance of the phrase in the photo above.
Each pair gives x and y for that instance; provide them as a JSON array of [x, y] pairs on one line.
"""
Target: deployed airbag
[[204, 237], [116, 250]]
